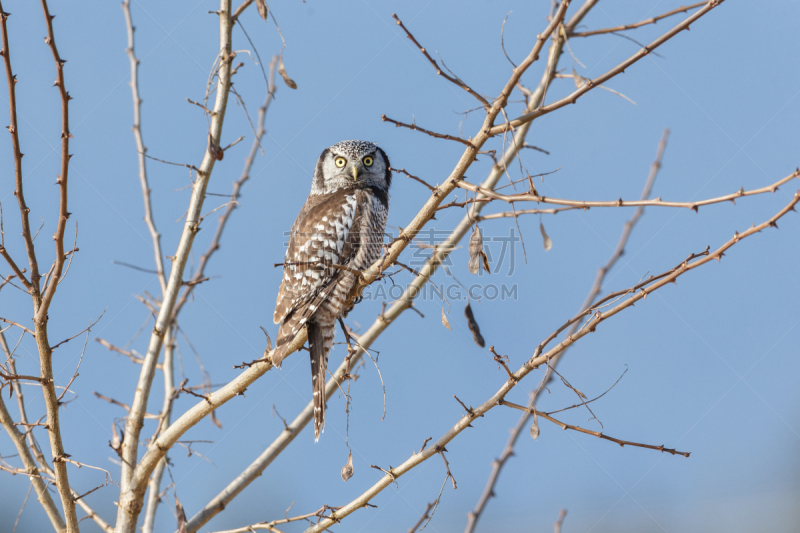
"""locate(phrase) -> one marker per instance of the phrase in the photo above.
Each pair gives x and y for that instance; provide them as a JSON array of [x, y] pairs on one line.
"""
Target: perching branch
[[171, 434]]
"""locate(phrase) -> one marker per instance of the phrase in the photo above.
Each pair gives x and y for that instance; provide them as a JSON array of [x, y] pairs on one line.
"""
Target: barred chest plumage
[[344, 228]]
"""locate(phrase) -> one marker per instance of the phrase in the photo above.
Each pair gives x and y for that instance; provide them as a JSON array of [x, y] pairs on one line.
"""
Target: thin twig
[[237, 186], [429, 132], [425, 183], [652, 20], [623, 443], [9, 321], [141, 150], [451, 79]]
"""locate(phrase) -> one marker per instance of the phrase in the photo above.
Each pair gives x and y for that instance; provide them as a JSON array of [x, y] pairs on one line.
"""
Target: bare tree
[[502, 135]]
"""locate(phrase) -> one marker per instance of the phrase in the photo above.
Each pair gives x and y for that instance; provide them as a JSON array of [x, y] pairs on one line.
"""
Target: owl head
[[352, 165]]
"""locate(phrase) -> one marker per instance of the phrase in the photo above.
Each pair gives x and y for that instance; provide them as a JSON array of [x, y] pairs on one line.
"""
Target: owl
[[338, 233]]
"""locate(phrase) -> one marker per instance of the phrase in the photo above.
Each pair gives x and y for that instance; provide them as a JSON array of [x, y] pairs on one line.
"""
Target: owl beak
[[355, 173]]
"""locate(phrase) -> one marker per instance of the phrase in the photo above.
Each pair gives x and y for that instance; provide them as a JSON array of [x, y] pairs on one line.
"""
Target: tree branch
[[619, 69], [16, 269], [589, 432], [133, 488], [14, 131], [658, 202], [652, 20], [453, 80], [414, 127], [154, 487], [237, 186], [41, 302], [383, 321], [39, 484], [635, 294], [155, 236], [508, 450]]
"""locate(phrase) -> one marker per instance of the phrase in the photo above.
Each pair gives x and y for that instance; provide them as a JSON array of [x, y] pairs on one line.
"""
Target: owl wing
[[320, 236]]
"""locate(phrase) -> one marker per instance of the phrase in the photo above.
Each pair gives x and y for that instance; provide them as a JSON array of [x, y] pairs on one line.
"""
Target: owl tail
[[320, 339]]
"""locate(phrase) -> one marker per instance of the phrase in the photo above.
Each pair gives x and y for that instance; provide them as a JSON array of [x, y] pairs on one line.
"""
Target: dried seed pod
[[282, 71], [473, 326], [347, 470], [475, 250], [263, 8], [546, 240], [535, 428]]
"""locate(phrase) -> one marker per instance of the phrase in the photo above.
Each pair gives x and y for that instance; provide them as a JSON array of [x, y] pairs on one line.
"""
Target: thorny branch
[[657, 202], [652, 20], [13, 129], [43, 298], [629, 298], [451, 79], [385, 319], [589, 432], [498, 464], [414, 127], [199, 411], [619, 69], [227, 392]]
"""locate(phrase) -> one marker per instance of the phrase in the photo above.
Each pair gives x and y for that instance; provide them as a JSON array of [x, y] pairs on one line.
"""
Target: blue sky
[[711, 363]]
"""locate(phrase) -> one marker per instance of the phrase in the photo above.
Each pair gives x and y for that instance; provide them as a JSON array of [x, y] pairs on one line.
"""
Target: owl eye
[[368, 161], [341, 162]]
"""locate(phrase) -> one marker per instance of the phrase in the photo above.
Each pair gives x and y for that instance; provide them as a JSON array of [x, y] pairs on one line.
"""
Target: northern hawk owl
[[341, 224]]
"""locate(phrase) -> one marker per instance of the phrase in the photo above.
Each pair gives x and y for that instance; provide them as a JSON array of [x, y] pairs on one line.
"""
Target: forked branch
[[619, 69], [629, 298], [133, 487]]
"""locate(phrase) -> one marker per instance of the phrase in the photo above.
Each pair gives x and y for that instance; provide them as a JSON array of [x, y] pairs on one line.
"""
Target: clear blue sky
[[712, 362]]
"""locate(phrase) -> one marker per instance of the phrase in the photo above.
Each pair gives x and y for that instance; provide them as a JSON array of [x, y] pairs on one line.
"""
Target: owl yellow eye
[[368, 161], [341, 162]]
